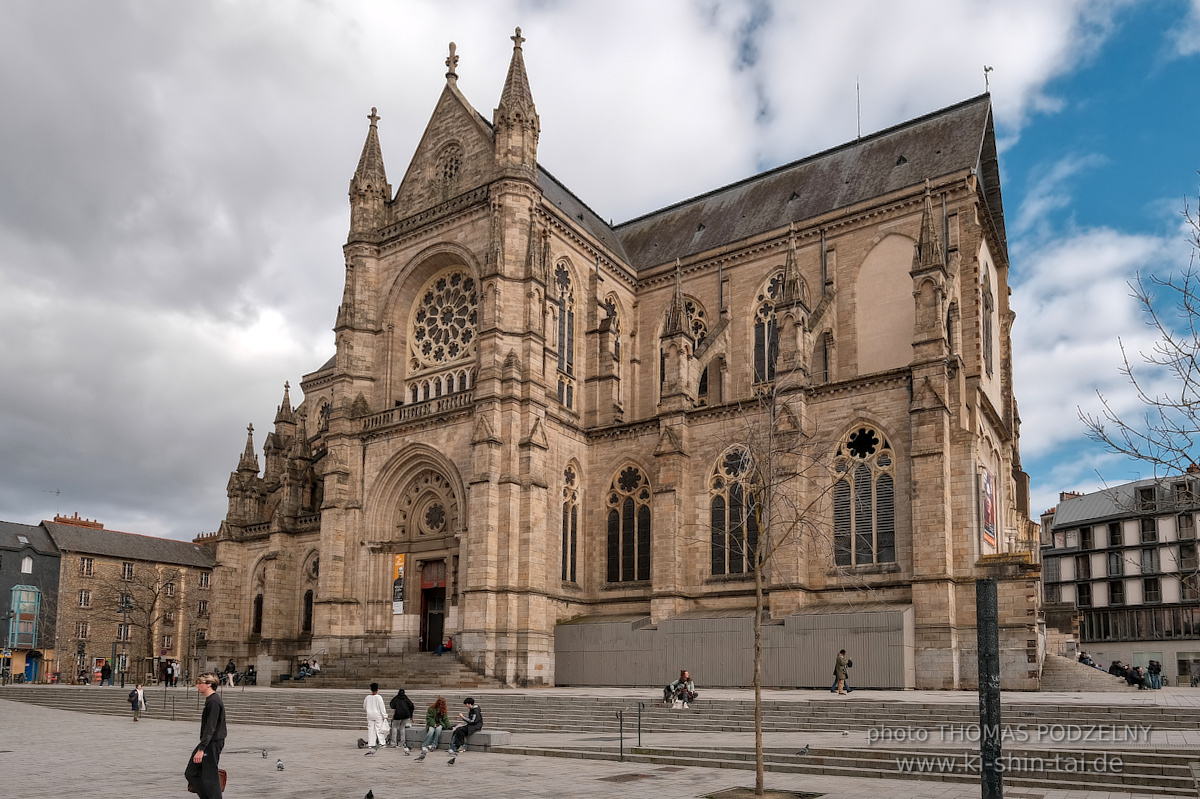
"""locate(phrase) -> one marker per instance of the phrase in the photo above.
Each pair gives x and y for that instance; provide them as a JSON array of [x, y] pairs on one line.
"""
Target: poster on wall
[[398, 586], [988, 496]]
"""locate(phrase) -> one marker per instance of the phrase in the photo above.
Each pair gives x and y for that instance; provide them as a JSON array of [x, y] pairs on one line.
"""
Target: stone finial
[[452, 63], [374, 116], [517, 39]]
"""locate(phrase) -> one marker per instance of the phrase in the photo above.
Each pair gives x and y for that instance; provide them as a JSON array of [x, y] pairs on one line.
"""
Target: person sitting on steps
[[444, 646], [683, 689], [437, 718]]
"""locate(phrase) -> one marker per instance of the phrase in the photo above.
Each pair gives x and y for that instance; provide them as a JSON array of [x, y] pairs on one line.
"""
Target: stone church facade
[[569, 431]]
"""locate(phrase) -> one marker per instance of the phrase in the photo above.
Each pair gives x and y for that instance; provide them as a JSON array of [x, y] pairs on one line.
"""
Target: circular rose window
[[444, 319]]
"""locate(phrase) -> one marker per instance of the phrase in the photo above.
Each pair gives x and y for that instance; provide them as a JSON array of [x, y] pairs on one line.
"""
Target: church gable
[[455, 155]]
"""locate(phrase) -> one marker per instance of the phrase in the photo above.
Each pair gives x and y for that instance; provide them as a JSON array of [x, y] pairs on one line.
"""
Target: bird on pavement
[[803, 751], [264, 753], [279, 765], [370, 795]]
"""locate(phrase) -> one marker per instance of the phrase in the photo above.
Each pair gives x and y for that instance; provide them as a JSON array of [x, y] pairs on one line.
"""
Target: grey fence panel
[[719, 651]]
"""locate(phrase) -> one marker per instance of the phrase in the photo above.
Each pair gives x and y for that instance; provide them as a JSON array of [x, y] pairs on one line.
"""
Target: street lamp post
[[7, 667], [124, 635]]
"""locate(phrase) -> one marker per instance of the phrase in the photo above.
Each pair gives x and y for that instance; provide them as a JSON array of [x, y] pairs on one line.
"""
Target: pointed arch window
[[989, 307], [566, 335], [766, 334], [822, 354], [864, 500], [629, 526], [307, 625], [256, 625], [733, 516], [570, 524]]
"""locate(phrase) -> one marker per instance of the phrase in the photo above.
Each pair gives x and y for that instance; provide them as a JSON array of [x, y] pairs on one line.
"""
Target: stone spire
[[369, 188], [515, 122], [929, 253], [285, 414], [677, 319], [249, 461], [793, 285]]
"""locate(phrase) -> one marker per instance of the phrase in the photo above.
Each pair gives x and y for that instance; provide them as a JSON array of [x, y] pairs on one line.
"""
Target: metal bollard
[[641, 707], [621, 718]]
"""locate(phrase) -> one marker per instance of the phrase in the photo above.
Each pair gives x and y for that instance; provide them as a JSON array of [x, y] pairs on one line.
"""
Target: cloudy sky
[[173, 182]]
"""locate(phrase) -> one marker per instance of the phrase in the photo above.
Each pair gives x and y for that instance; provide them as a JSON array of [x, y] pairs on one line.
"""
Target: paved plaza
[[54, 753]]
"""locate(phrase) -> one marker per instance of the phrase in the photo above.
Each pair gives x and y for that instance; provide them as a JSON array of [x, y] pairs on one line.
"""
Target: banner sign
[[988, 498], [398, 585]]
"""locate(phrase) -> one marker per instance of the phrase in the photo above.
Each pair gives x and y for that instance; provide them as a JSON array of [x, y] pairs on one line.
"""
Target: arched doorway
[[433, 604]]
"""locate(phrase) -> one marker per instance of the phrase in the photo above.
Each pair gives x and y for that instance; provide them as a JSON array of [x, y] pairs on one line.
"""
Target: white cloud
[[173, 193], [1185, 39]]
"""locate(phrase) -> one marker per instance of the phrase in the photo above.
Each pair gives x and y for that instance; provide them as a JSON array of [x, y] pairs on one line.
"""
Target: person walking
[[840, 671], [470, 721], [137, 701], [106, 674], [230, 670], [437, 718], [402, 712], [202, 771], [377, 721]]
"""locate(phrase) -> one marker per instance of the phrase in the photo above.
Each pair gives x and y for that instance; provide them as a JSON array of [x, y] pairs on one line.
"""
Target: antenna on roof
[[986, 82], [56, 492], [858, 105]]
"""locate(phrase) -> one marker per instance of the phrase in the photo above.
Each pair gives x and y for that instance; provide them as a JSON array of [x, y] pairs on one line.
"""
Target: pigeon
[[845, 733], [264, 753], [370, 795], [803, 751], [279, 765], [361, 743]]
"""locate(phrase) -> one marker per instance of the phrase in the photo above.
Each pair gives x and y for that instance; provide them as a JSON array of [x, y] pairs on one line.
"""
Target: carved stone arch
[[312, 565], [696, 318], [393, 346], [418, 493]]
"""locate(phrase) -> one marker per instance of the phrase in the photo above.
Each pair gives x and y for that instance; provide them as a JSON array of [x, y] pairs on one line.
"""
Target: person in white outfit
[[377, 720]]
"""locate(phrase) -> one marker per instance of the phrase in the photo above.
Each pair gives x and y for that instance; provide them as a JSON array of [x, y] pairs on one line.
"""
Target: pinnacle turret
[[515, 122], [929, 252], [369, 188], [793, 284], [249, 461], [677, 319], [285, 414]]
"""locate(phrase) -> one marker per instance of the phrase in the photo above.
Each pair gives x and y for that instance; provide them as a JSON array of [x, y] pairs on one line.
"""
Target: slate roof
[[1111, 503], [37, 537], [951, 140], [115, 544]]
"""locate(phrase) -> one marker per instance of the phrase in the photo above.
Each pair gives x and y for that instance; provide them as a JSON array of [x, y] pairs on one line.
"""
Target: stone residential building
[[538, 431], [164, 584], [1125, 560], [29, 567]]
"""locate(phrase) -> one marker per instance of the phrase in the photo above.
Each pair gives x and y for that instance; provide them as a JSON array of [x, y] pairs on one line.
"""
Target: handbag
[[221, 775]]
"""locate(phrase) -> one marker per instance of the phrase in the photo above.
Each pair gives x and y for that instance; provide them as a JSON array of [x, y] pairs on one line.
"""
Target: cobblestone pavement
[[54, 753]]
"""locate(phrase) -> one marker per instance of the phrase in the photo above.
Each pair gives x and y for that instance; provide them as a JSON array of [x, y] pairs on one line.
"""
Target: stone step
[[853, 766], [1066, 674]]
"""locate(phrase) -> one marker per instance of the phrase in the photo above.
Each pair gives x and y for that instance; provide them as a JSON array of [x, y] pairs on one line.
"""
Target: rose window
[[443, 326]]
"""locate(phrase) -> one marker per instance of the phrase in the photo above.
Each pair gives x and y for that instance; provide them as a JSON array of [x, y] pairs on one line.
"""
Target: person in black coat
[[202, 773], [402, 708], [471, 721]]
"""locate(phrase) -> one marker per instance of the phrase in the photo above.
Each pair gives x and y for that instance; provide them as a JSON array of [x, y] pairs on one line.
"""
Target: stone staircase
[[1142, 773], [1165, 771], [415, 669], [1066, 674]]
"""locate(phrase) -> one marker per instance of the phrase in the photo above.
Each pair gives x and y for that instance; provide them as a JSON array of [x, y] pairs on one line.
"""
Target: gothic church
[[577, 447]]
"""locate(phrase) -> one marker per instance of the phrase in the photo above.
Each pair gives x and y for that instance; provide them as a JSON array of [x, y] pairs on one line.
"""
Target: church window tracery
[[427, 507], [566, 335], [864, 500], [989, 307], [628, 526], [443, 335], [449, 163], [570, 524], [766, 334], [733, 517]]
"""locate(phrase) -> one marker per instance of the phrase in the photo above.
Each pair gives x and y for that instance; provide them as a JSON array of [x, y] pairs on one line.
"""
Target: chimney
[[78, 522]]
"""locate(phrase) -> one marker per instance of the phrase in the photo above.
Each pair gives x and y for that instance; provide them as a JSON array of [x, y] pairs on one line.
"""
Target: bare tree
[[143, 597], [784, 472], [1167, 433]]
